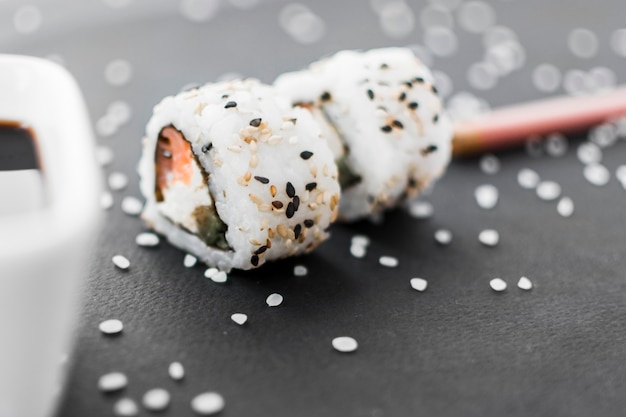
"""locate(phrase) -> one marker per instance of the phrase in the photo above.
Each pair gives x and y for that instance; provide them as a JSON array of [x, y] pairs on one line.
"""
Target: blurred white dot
[[441, 41], [597, 174], [548, 190], [379, 5], [476, 16], [576, 82], [486, 196], [189, 261], [397, 20], [534, 147], [620, 174], [244, 4], [618, 42], [117, 181], [421, 209], [208, 403], [506, 56], [527, 178], [464, 106], [118, 72], [156, 399], [106, 126], [176, 371], [274, 300], [604, 135], [27, 19], [583, 43], [435, 15], [104, 155], [602, 79], [147, 239], [447, 4], [132, 205], [117, 4], [489, 164], [443, 237], [556, 144], [125, 407], [497, 35], [497, 284], [482, 75], [301, 23], [589, 153], [565, 207], [345, 344], [106, 200], [546, 78], [199, 10], [443, 83], [489, 237], [422, 53], [120, 112]]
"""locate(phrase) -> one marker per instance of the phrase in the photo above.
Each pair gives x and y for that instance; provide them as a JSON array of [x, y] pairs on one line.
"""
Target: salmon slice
[[174, 160]]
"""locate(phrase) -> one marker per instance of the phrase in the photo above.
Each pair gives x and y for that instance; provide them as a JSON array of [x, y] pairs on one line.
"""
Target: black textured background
[[458, 349]]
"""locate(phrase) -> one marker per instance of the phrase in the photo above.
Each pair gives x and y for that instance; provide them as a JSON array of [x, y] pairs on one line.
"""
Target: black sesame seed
[[296, 203], [386, 128], [224, 96], [435, 118], [418, 80], [325, 96], [432, 87], [230, 104], [412, 183], [277, 204], [408, 84], [370, 94], [413, 105], [254, 260], [207, 148], [402, 96], [290, 210], [310, 186], [255, 122], [296, 230], [431, 148], [262, 180], [291, 191], [306, 155], [260, 250], [384, 66], [309, 223], [398, 124]]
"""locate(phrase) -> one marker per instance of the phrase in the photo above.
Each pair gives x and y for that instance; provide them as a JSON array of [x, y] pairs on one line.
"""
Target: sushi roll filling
[[175, 162]]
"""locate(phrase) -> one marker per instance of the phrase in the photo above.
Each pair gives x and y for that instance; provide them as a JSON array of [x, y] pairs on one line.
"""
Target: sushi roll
[[384, 121], [235, 175]]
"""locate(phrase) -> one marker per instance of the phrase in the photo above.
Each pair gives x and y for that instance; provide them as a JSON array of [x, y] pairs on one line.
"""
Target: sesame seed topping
[[443, 237], [565, 207], [436, 118], [291, 191], [486, 196], [418, 80], [525, 284], [310, 186], [121, 262], [402, 96], [419, 284], [345, 344], [111, 327], [306, 155], [260, 250], [255, 122], [398, 124], [429, 149], [413, 105], [156, 399], [386, 128], [176, 371], [274, 300], [262, 180], [254, 260], [297, 230], [308, 223], [273, 190], [207, 148], [388, 261], [207, 403], [291, 210], [325, 96], [277, 204], [434, 89], [190, 261], [408, 84], [230, 104], [296, 203], [497, 284], [489, 237], [125, 407], [239, 318], [384, 66], [300, 270], [370, 94], [113, 381]]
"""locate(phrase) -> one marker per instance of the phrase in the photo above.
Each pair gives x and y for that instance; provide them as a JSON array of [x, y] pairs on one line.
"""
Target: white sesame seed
[[207, 403], [156, 399], [421, 209], [125, 407], [300, 270], [219, 277], [524, 284], [556, 145], [176, 371], [489, 237], [490, 164], [388, 261], [27, 19], [589, 153], [565, 207], [118, 72], [106, 200], [527, 178], [419, 284], [583, 43], [112, 326], [121, 262], [274, 300], [210, 272], [190, 261], [132, 206], [345, 344], [239, 318], [497, 284], [113, 381], [104, 155], [358, 251], [486, 196], [117, 181], [147, 239], [548, 190], [476, 16], [443, 236], [597, 174], [547, 78]]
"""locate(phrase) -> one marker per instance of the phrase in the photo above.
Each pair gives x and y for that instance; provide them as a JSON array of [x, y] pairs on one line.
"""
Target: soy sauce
[[17, 147]]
